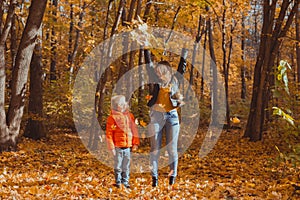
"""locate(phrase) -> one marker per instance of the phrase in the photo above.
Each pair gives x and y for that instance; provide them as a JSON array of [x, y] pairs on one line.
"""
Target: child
[[121, 135]]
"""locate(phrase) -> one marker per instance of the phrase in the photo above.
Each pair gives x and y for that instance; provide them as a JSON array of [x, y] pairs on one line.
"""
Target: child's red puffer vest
[[121, 130]]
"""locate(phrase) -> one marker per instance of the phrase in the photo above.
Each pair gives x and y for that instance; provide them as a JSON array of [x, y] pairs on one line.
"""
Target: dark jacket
[[175, 81]]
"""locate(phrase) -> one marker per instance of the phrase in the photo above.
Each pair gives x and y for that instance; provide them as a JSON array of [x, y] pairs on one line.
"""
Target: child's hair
[[115, 101]]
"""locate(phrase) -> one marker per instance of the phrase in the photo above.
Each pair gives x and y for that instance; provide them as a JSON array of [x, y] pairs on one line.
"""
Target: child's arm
[[110, 127]]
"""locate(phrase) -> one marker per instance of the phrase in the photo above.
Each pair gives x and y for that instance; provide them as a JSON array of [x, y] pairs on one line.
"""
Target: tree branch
[[173, 25]]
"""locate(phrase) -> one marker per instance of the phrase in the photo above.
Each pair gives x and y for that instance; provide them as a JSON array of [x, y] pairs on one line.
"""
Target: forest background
[[254, 45]]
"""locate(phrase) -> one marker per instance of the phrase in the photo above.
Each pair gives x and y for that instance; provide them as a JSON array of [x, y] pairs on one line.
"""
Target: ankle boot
[[171, 180], [154, 181]]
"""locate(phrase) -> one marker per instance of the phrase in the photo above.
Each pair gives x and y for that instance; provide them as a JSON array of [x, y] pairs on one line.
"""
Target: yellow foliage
[[61, 167]]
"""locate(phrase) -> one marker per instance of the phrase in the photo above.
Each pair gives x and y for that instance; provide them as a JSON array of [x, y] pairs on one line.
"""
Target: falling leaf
[[142, 123], [235, 120], [148, 97]]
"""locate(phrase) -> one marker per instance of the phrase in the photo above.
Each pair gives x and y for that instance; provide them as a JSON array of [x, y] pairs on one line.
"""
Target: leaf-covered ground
[[60, 167]]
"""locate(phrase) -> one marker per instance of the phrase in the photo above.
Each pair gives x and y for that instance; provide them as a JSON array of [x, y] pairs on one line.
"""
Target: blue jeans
[[169, 121], [122, 165]]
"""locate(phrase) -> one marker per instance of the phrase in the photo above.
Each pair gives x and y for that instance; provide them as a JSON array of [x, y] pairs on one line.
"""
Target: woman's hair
[[164, 62], [163, 66]]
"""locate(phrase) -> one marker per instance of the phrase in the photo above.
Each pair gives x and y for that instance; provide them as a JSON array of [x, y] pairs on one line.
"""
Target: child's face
[[122, 105]]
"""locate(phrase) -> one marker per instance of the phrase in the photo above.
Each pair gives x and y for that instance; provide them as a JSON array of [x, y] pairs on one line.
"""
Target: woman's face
[[164, 74]]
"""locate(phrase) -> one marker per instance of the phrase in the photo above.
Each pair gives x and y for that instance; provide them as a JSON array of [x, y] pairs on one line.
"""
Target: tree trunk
[[4, 132], [203, 62], [100, 91], [13, 36], [255, 121], [243, 68], [173, 26], [141, 93], [123, 68], [53, 43], [124, 62], [272, 30], [76, 44], [297, 19], [225, 69], [195, 50], [138, 9], [214, 95], [35, 128], [131, 10], [20, 75], [3, 126], [227, 72], [132, 52], [71, 28], [99, 95], [147, 10], [1, 16]]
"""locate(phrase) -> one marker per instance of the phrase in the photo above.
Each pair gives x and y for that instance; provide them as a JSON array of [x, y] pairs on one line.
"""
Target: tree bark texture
[[10, 129], [225, 66], [106, 53], [53, 43], [76, 44], [243, 68], [272, 30], [4, 132], [214, 95], [35, 128], [297, 19]]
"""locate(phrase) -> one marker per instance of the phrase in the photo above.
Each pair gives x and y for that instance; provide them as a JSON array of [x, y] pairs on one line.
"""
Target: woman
[[163, 114]]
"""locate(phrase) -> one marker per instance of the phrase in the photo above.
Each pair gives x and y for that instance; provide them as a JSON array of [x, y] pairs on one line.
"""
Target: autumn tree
[[11, 121], [274, 28], [106, 51]]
